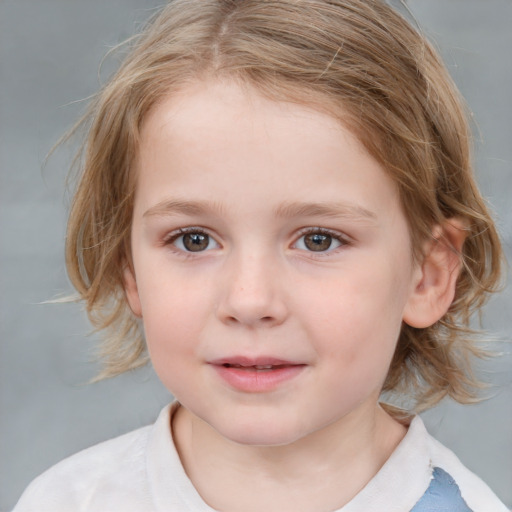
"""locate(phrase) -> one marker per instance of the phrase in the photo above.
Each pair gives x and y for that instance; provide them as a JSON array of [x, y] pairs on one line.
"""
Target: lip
[[258, 374]]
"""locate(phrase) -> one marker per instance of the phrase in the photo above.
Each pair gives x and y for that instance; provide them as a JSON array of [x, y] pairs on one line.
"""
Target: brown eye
[[318, 242], [195, 242], [192, 240]]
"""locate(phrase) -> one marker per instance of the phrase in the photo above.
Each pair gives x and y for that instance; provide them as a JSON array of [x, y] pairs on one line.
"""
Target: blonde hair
[[358, 60]]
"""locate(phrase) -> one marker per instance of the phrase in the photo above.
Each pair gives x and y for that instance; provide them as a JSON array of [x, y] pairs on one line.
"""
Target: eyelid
[[337, 235], [342, 238], [172, 236]]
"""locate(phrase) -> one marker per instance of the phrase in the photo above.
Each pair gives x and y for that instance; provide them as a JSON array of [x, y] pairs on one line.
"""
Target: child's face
[[265, 236]]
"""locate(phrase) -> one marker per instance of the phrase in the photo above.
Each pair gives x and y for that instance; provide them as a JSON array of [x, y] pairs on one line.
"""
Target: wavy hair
[[358, 60]]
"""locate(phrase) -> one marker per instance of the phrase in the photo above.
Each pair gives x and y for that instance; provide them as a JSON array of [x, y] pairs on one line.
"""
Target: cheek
[[172, 316], [171, 332], [359, 316]]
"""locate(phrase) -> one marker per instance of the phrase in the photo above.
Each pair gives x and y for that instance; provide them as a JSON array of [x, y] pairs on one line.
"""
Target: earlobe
[[131, 291], [433, 288]]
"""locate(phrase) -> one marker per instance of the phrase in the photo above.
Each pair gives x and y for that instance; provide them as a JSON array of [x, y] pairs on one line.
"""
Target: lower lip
[[251, 380]]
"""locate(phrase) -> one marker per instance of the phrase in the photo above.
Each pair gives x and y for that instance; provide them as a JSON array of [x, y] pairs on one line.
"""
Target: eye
[[193, 240], [319, 241]]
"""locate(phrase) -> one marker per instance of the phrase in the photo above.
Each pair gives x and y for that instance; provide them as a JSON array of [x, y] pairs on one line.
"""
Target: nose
[[253, 293]]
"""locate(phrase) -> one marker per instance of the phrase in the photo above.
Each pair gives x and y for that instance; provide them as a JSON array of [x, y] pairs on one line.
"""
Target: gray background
[[49, 56]]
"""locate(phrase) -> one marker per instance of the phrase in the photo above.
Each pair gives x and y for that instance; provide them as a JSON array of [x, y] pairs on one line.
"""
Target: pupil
[[318, 242], [195, 241]]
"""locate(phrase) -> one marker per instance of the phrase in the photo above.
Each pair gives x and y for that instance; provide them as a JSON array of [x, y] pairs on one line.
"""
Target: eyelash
[[172, 237], [343, 240]]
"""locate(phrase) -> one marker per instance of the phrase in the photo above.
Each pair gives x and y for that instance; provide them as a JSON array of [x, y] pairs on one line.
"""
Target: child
[[279, 193]]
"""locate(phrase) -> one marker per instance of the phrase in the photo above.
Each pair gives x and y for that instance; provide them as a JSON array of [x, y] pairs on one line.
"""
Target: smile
[[256, 367], [256, 375]]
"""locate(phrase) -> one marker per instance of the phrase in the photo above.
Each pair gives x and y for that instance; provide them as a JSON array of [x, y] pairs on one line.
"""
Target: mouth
[[263, 363], [258, 367], [256, 375]]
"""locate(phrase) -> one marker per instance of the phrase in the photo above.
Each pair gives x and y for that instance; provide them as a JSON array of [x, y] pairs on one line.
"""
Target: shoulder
[[138, 472], [92, 479], [453, 487]]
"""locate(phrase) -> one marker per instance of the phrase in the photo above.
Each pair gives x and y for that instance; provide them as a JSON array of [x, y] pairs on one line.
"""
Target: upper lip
[[253, 361]]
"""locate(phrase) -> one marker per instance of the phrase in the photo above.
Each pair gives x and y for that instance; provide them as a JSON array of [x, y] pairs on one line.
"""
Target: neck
[[322, 471]]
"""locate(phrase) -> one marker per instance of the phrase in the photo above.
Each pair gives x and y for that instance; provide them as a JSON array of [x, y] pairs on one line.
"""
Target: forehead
[[223, 137], [191, 107]]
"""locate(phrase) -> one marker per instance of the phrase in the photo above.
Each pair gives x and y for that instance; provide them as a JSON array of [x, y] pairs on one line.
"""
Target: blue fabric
[[442, 495]]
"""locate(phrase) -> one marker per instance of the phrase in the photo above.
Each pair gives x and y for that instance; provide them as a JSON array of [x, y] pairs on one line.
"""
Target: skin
[[257, 179]]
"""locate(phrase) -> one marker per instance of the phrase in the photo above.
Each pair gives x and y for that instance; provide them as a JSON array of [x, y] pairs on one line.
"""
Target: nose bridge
[[252, 293]]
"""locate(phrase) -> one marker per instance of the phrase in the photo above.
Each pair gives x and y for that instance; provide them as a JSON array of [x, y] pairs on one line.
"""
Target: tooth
[[263, 367]]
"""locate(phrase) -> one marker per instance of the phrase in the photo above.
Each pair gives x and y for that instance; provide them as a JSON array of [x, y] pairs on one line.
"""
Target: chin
[[260, 433]]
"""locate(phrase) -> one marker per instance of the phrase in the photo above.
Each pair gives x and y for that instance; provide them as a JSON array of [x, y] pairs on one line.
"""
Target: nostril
[[262, 320]]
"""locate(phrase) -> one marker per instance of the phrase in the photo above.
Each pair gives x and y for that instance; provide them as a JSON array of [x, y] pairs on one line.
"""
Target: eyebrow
[[325, 209], [285, 210], [183, 207]]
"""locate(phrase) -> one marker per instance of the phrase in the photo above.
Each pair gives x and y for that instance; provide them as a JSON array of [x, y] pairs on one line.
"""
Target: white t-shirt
[[141, 472]]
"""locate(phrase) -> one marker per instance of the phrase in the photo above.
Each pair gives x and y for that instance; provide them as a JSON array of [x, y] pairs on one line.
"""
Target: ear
[[131, 291], [436, 276]]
